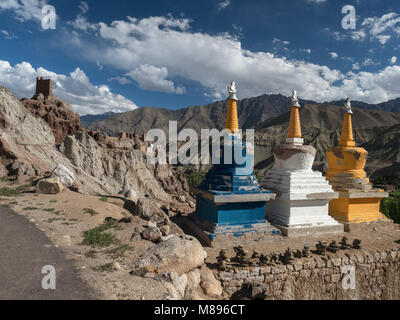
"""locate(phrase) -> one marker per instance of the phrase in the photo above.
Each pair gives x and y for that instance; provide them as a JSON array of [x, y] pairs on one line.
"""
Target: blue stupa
[[230, 200]]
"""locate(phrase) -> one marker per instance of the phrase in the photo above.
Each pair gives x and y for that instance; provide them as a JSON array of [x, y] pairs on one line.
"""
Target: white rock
[[179, 282], [166, 238], [65, 175], [152, 234], [152, 224], [67, 239], [211, 286], [132, 195], [116, 266], [194, 277]]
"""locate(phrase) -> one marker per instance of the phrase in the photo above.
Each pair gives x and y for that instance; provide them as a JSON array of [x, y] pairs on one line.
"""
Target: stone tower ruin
[[44, 86]]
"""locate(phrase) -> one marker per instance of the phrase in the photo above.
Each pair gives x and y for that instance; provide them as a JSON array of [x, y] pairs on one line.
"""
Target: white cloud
[[393, 60], [8, 35], [369, 62], [279, 41], [383, 39], [76, 88], [334, 55], [385, 23], [359, 35], [154, 79], [378, 28], [223, 4], [24, 10], [80, 21], [84, 7], [120, 80], [153, 51]]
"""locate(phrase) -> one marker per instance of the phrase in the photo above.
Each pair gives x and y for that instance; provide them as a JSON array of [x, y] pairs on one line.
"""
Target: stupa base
[[301, 207], [213, 234], [228, 213], [302, 217], [309, 230], [357, 207], [361, 226]]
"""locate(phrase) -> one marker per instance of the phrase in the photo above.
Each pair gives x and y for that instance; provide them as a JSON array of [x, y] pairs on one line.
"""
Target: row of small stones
[[304, 267]]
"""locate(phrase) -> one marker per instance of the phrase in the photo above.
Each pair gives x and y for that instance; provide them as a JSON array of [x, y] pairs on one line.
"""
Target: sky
[[120, 55]]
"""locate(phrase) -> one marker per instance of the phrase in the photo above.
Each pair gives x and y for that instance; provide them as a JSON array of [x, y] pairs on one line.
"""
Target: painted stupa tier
[[230, 200], [303, 195], [358, 200], [236, 177]]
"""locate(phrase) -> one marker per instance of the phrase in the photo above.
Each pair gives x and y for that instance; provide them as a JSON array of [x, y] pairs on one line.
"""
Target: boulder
[[258, 291], [49, 186], [136, 236], [175, 283], [210, 285], [179, 254], [150, 211], [152, 234], [193, 285], [65, 175]]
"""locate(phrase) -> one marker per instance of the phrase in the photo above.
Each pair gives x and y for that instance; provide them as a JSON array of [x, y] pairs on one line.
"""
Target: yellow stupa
[[232, 122], [358, 202]]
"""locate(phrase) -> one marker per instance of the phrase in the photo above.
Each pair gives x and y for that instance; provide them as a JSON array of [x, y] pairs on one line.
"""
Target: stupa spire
[[232, 122], [347, 139], [294, 134]]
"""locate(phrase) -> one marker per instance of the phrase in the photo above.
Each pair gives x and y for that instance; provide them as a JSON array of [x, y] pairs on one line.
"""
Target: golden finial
[[294, 124], [347, 139], [232, 122]]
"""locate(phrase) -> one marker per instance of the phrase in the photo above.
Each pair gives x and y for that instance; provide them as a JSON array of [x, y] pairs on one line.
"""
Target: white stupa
[[303, 195]]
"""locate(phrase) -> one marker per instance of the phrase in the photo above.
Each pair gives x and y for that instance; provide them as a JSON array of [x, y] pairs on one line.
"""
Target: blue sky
[[119, 55]]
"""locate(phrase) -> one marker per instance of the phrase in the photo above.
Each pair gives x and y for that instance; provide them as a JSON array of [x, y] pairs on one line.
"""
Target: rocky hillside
[[101, 165]]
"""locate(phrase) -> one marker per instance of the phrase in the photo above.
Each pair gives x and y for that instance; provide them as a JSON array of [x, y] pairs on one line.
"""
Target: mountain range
[[251, 112], [376, 127]]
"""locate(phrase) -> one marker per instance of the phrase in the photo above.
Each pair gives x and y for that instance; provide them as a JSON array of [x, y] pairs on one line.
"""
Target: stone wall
[[377, 276]]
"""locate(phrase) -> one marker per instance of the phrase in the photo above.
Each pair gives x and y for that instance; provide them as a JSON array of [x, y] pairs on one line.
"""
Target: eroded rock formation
[[58, 114]]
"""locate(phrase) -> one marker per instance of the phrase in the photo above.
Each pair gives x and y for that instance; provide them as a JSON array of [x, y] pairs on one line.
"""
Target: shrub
[[97, 237], [391, 207], [195, 178]]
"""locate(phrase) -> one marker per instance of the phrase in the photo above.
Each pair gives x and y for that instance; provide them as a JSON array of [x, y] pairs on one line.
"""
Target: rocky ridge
[[58, 115], [101, 165]]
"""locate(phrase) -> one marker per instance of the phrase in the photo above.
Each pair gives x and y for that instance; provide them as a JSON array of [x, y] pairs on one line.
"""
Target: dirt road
[[24, 251]]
